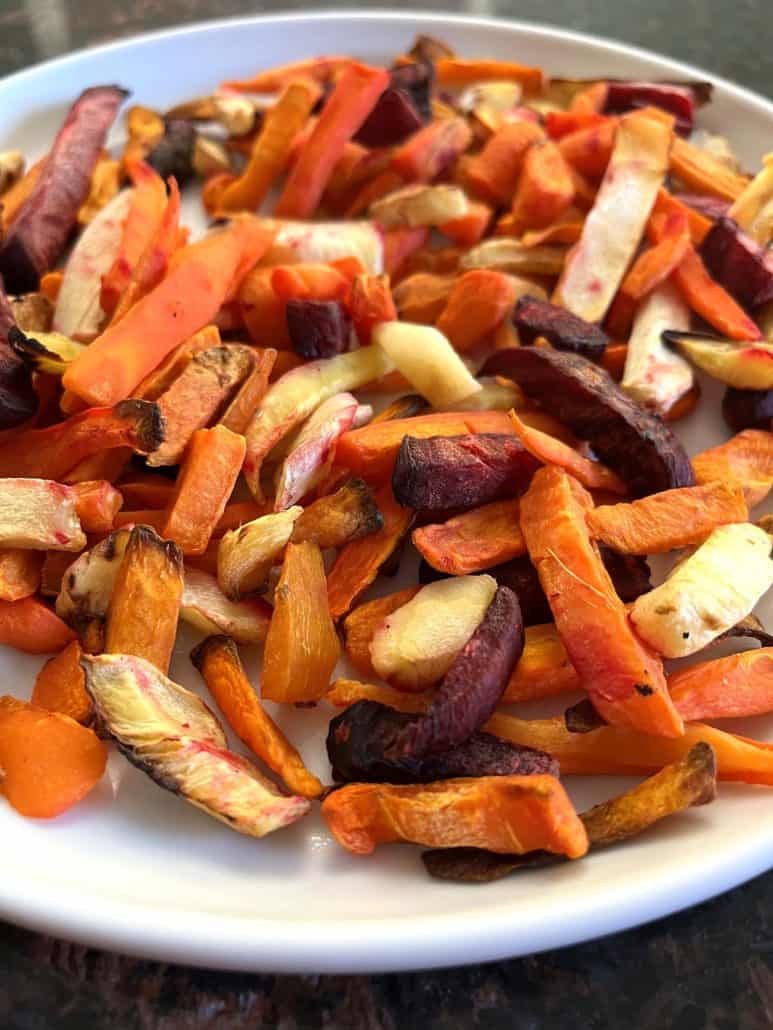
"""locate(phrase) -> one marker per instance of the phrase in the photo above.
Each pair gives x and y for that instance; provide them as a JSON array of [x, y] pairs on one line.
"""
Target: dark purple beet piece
[[471, 689], [629, 573], [521, 577], [360, 737], [582, 717], [474, 865], [747, 409], [738, 263], [173, 154], [318, 328], [533, 318], [18, 400], [417, 80], [443, 473], [710, 207], [42, 227], [635, 443], [392, 120], [630, 96]]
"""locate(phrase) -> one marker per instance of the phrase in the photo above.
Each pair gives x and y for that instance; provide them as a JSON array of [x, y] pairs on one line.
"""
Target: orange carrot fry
[[309, 282], [361, 623], [703, 172], [478, 303], [49, 761], [217, 659], [474, 541], [212, 464], [20, 572], [30, 626], [344, 693], [562, 123], [423, 296], [105, 465], [353, 98], [588, 150], [470, 228], [50, 283], [358, 563], [545, 188], [234, 515], [386, 181], [619, 751], [432, 149], [239, 412], [60, 686], [14, 197], [455, 72], [263, 311], [668, 520], [624, 680], [726, 688], [271, 149], [399, 244], [318, 69], [698, 224], [551, 451], [498, 813], [591, 99], [544, 668], [141, 517], [97, 503], [187, 298], [370, 304], [493, 174], [746, 459]]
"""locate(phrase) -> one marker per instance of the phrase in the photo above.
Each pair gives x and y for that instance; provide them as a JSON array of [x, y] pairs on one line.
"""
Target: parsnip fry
[[361, 623], [655, 375], [415, 206], [245, 555], [205, 607], [336, 519], [86, 590], [39, 514]]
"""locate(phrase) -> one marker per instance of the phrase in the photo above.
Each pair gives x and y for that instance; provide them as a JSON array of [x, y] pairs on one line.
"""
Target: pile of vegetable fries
[[465, 326]]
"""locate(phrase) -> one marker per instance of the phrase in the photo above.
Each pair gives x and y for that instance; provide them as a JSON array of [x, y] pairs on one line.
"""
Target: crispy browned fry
[[162, 377], [689, 781], [332, 521], [33, 312], [247, 554], [197, 395], [239, 412], [217, 660], [145, 603], [85, 592]]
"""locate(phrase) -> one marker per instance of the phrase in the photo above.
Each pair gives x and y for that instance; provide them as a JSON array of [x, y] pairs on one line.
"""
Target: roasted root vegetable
[[739, 263], [87, 587], [534, 318], [726, 688], [170, 734], [623, 678], [416, 206], [707, 593], [747, 409], [205, 607], [478, 303], [669, 520], [49, 761], [145, 600], [427, 360], [415, 646], [246, 555], [363, 621], [217, 660], [29, 625], [60, 686], [21, 571], [655, 375], [474, 541], [336, 519], [39, 514], [301, 647], [499, 813], [318, 328], [746, 459], [746, 366]]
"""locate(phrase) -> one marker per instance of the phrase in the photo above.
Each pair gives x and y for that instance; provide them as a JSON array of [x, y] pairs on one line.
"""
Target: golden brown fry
[[247, 554], [239, 412], [145, 603], [217, 659], [332, 521]]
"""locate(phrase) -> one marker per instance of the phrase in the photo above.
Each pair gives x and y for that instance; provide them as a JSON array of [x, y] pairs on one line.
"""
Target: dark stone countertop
[[710, 968]]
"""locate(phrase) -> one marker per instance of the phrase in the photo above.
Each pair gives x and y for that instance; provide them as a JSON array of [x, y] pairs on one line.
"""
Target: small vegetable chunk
[[217, 660], [726, 688], [478, 303], [746, 459], [301, 647], [500, 813], [318, 328], [49, 761], [29, 625], [427, 360], [363, 621], [474, 541], [416, 645], [39, 514], [655, 375], [60, 686], [145, 602], [246, 555], [88, 586], [669, 520], [707, 593]]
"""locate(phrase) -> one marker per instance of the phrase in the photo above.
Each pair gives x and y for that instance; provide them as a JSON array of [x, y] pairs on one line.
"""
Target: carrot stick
[[239, 412], [560, 231], [105, 465], [544, 668], [470, 228], [551, 451], [263, 311], [358, 563], [591, 99], [624, 680], [309, 282], [399, 244], [97, 503], [361, 623], [153, 492], [588, 150], [474, 541], [545, 188], [387, 181], [371, 303], [217, 660], [141, 517], [703, 172], [60, 686], [318, 69], [455, 72], [207, 476], [30, 626], [423, 296], [20, 572], [478, 303], [344, 693], [234, 515], [562, 123], [745, 459], [666, 204], [353, 98], [726, 688], [620, 751], [432, 149], [187, 299], [271, 149], [668, 520], [493, 173]]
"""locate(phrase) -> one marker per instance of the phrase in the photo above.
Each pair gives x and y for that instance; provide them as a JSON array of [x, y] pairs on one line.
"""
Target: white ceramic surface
[[135, 869]]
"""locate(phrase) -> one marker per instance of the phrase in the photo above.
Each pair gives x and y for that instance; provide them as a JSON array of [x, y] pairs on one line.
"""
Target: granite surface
[[710, 968]]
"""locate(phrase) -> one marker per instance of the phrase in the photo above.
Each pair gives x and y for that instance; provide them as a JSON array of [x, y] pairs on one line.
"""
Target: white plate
[[143, 872]]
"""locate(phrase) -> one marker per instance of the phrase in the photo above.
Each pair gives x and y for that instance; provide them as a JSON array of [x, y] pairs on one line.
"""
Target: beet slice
[[629, 573], [474, 865], [42, 227], [678, 100], [711, 207], [359, 739], [471, 689], [738, 263], [634, 442], [318, 328], [173, 154], [444, 473], [747, 409], [533, 318], [392, 120]]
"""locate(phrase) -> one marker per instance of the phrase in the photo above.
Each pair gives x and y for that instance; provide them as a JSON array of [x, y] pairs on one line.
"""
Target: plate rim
[[316, 946]]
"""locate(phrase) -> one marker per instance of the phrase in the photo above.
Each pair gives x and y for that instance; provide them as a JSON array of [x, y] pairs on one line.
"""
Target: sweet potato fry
[[30, 626], [52, 452], [726, 688], [97, 503], [205, 607], [746, 459], [474, 541], [49, 761], [217, 660], [478, 302], [60, 686], [335, 519], [624, 680], [495, 812], [246, 555], [20, 572], [207, 476], [669, 520], [358, 563], [301, 648], [145, 601]]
